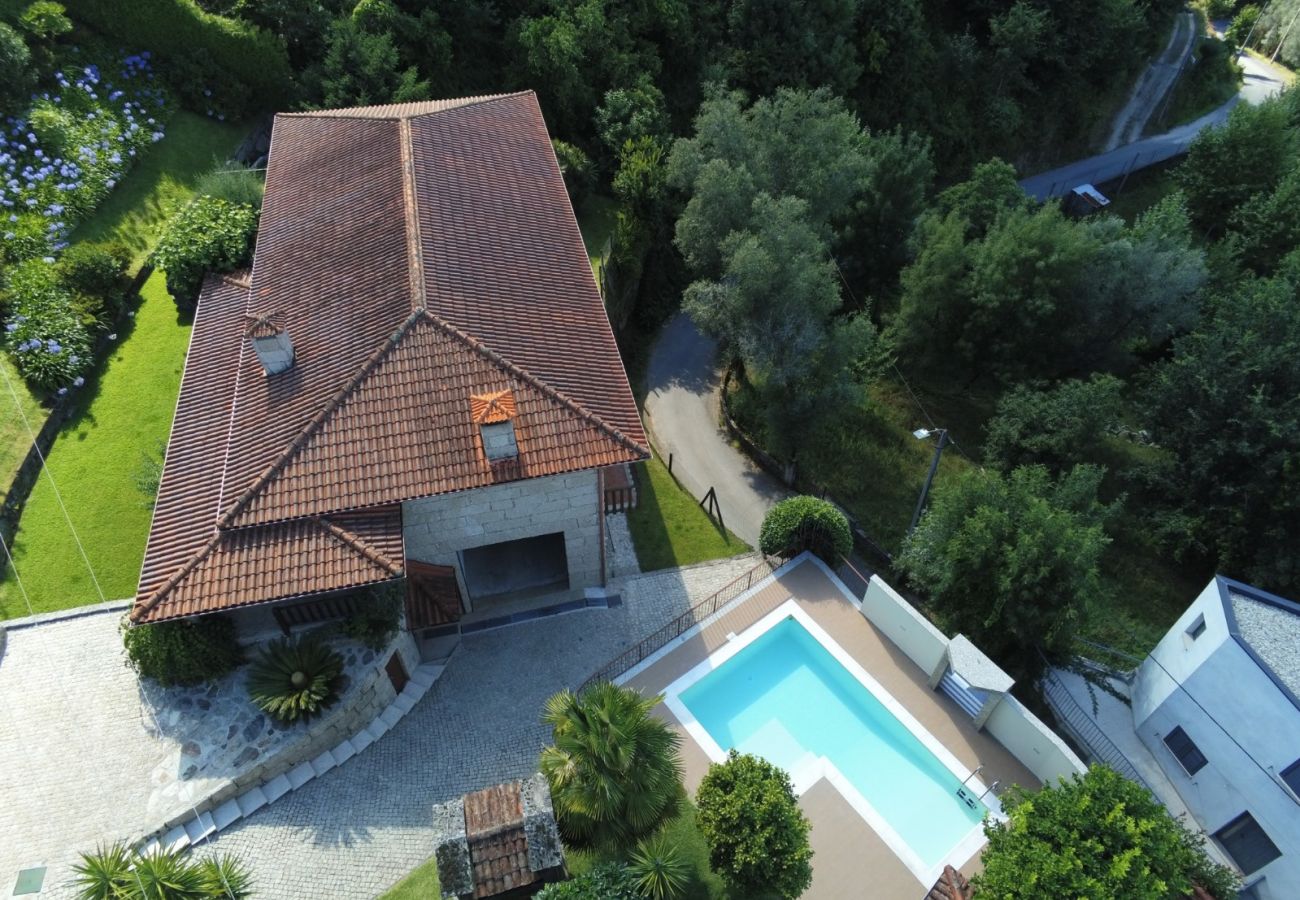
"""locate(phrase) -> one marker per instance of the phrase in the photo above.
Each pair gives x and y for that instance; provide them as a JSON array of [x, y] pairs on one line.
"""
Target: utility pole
[[921, 434], [1286, 34]]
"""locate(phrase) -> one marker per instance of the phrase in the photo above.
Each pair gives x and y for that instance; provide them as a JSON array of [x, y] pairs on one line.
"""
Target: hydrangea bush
[[49, 343]]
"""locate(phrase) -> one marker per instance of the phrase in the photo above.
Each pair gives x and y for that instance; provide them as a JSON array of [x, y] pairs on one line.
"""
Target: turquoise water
[[786, 699]]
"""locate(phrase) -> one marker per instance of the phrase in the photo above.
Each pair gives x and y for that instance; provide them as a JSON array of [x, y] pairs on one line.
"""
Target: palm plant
[[118, 872], [167, 875], [295, 680], [104, 874], [226, 878], [614, 770], [660, 871]]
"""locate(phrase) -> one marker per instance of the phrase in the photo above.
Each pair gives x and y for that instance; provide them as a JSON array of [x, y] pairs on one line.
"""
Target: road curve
[[683, 416], [1155, 82]]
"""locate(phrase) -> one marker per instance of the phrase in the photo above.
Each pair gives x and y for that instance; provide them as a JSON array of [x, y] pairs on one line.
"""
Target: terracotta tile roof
[[498, 844], [417, 255], [952, 885], [489, 409]]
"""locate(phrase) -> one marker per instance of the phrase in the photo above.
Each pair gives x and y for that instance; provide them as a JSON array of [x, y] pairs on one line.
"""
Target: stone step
[[150, 848], [377, 729], [414, 690], [251, 800], [176, 840], [323, 763], [404, 702], [227, 814], [343, 752], [200, 827], [392, 715], [300, 775], [426, 674], [362, 739], [276, 788]]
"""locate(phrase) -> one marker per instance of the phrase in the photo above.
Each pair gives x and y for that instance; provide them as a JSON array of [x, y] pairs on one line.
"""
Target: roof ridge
[[411, 218], [139, 608], [226, 519], [524, 375], [472, 100], [357, 543]]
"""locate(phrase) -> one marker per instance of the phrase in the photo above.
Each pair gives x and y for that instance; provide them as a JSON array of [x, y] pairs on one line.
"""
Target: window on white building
[[1196, 629], [1291, 775], [1247, 843], [1188, 754]]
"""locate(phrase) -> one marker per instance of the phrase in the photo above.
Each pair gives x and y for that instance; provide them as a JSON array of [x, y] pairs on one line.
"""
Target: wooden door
[[432, 595]]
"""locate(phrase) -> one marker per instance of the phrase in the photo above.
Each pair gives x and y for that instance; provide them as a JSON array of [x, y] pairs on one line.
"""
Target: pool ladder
[[965, 795]]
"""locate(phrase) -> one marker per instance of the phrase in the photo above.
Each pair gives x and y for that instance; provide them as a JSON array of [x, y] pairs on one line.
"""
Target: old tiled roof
[[951, 885], [417, 255], [498, 844]]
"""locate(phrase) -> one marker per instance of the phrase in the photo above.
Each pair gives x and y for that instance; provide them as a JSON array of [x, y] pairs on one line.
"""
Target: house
[[1217, 704], [415, 379]]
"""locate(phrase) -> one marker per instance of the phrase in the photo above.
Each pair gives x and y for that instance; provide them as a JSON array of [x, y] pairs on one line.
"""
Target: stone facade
[[435, 529]]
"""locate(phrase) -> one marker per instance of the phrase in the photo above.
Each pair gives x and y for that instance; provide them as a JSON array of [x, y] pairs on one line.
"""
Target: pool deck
[[849, 855]]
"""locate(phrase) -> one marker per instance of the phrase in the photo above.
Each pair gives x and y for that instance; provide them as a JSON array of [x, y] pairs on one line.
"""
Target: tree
[[796, 43], [1266, 227], [1242, 24], [1223, 407], [360, 68], [614, 770], [1012, 561], [1097, 836], [757, 835], [1053, 427], [15, 70], [631, 114]]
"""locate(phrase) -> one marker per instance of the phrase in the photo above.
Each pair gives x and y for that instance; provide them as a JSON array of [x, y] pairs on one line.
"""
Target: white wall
[[436, 528], [1245, 727], [1178, 654], [899, 621]]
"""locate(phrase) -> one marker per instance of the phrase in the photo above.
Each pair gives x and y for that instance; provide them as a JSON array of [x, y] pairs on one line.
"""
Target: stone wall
[[437, 528], [359, 707]]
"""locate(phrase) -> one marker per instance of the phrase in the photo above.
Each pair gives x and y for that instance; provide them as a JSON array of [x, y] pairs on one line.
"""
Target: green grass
[[1142, 190], [596, 217], [420, 884], [124, 415], [669, 528], [685, 834], [161, 183], [15, 439]]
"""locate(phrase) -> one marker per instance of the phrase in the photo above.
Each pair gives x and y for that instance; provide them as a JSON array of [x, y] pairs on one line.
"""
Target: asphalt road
[[1260, 83], [682, 407], [1154, 84]]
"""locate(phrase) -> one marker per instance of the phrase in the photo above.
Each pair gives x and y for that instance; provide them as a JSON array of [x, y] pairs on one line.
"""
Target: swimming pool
[[786, 692]]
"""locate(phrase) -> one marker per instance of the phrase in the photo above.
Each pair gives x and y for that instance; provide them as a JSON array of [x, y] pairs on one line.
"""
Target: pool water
[[785, 698]]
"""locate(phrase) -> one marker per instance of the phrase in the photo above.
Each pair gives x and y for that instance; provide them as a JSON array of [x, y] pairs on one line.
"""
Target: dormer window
[[494, 414], [271, 343]]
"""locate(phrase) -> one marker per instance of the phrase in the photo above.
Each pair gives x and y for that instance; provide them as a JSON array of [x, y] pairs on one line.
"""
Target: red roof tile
[[416, 255]]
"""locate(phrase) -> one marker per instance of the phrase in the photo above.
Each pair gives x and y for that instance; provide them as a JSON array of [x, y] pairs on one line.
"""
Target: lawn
[[596, 215], [685, 834], [420, 884], [669, 528], [124, 417]]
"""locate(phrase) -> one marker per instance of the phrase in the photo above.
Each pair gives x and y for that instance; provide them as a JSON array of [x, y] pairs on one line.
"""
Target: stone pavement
[[357, 830]]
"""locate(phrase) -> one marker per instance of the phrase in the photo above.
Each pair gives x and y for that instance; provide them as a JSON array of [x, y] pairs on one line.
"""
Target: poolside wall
[[1037, 747]]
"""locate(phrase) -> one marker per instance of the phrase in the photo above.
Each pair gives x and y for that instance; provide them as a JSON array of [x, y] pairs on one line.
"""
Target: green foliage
[[609, 881], [614, 769], [295, 680], [179, 29], [1012, 561], [576, 167], [1097, 836], [360, 68], [1054, 427], [1242, 23], [1224, 408], [45, 20], [631, 114], [120, 873], [1266, 227], [95, 276], [661, 870], [376, 621], [232, 183], [757, 835], [183, 651], [208, 235], [799, 523], [45, 334], [15, 70], [794, 43]]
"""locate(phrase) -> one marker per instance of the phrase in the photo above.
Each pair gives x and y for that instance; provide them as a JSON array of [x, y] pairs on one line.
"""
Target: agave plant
[[167, 875], [227, 878], [105, 874], [660, 870], [119, 873], [615, 773], [294, 681]]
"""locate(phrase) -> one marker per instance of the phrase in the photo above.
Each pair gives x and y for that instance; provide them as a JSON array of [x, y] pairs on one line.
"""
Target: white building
[[1217, 703]]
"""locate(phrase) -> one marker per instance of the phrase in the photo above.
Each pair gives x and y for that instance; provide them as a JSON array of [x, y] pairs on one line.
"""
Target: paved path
[[359, 828], [681, 405], [1260, 82], [1155, 82]]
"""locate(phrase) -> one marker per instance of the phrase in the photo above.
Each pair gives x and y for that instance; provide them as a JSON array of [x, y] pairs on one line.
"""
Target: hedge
[[806, 523], [176, 29]]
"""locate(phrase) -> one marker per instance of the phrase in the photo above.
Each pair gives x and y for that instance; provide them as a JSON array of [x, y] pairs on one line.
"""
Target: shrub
[[576, 167], [806, 523], [208, 235], [119, 873], [295, 680], [53, 128], [609, 881], [660, 870], [45, 20], [375, 623], [49, 342], [95, 276], [614, 771], [1054, 427], [15, 69], [183, 651], [233, 183], [757, 835], [197, 81]]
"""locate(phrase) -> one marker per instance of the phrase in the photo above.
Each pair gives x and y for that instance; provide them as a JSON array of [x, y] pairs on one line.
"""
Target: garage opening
[[516, 569]]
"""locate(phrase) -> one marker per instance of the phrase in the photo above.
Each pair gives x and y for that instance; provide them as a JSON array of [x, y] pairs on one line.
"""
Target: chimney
[[271, 343]]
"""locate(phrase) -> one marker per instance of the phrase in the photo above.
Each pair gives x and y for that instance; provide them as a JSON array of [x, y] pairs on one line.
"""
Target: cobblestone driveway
[[360, 828]]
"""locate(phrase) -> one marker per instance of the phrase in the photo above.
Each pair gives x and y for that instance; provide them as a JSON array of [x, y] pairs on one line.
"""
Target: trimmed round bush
[[183, 651], [757, 835], [806, 523], [295, 680], [208, 235]]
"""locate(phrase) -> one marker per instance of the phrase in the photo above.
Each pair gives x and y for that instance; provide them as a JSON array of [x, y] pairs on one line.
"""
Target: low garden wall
[[1028, 739]]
